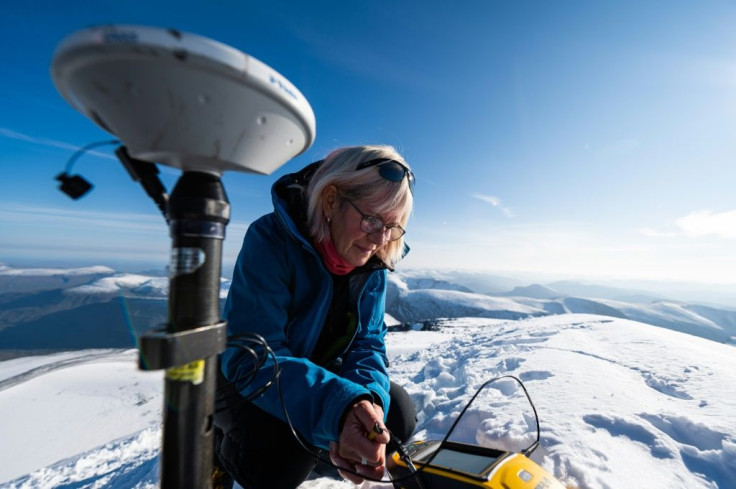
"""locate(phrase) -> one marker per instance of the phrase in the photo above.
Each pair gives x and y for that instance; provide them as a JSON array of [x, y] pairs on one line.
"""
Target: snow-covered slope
[[703, 321], [583, 289], [15, 280], [535, 291], [58, 406], [618, 401], [80, 308], [420, 305], [57, 292], [473, 281], [616, 398]]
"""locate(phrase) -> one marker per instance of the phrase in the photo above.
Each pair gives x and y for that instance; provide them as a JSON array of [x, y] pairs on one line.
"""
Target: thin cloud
[[709, 223], [50, 143], [495, 202], [140, 223], [95, 235]]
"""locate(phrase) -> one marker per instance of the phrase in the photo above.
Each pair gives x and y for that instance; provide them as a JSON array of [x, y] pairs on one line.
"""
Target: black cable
[[260, 360], [402, 449], [317, 455], [531, 447], [524, 452], [249, 342], [74, 185], [73, 158]]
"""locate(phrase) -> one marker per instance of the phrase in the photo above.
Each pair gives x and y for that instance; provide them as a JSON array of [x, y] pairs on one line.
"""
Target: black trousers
[[260, 452]]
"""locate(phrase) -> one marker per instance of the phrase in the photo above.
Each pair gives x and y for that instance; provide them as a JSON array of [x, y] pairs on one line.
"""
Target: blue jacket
[[282, 291]]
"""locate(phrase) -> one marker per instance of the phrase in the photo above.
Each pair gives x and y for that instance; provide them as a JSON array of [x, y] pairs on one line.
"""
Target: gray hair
[[367, 185]]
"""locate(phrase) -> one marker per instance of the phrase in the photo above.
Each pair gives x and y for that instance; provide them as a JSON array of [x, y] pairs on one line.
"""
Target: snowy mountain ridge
[[15, 280], [535, 291], [409, 305], [134, 303]]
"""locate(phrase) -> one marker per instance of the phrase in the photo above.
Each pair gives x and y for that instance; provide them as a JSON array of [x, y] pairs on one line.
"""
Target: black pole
[[198, 211]]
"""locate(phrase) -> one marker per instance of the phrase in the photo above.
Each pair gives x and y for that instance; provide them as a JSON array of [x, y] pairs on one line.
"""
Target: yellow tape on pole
[[191, 372]]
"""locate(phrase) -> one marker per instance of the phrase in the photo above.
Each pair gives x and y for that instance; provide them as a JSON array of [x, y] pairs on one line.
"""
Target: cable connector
[[377, 430], [395, 445], [73, 185]]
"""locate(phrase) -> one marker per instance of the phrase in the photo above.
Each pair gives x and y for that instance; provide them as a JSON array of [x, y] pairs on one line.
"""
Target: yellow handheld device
[[451, 465], [461, 466]]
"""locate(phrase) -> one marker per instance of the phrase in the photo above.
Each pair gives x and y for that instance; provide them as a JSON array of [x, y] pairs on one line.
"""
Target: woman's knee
[[256, 446], [402, 415]]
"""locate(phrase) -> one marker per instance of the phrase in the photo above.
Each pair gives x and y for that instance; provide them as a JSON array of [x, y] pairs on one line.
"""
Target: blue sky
[[567, 139]]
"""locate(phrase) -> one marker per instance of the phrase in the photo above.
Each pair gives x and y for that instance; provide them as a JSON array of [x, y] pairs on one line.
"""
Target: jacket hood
[[290, 204], [289, 199]]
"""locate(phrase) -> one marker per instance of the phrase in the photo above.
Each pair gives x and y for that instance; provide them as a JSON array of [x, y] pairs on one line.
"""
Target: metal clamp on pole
[[160, 350]]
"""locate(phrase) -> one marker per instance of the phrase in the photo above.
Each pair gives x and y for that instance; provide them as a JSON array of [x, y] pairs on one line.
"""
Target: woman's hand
[[355, 449]]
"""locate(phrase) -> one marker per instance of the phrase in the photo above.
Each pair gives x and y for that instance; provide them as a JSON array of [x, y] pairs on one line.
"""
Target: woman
[[311, 280]]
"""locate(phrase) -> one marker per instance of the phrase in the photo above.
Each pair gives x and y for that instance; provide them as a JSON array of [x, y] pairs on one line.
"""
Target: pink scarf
[[336, 264]]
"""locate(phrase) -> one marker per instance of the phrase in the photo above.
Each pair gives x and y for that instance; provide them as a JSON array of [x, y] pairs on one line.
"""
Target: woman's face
[[351, 242]]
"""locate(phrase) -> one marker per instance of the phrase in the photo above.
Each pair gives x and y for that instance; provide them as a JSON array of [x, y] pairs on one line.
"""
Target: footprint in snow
[[509, 364], [636, 432], [535, 375], [687, 432], [665, 386]]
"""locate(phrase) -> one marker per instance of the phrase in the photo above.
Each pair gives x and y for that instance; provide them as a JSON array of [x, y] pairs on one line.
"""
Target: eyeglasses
[[391, 170], [372, 224]]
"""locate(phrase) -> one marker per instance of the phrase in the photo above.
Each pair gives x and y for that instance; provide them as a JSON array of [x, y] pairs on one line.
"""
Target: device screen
[[469, 463]]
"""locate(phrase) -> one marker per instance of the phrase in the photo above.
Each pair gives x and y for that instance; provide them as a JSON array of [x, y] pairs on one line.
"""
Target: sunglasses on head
[[391, 170]]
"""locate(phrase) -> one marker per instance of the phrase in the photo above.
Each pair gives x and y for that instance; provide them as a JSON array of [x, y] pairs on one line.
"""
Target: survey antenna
[[195, 104]]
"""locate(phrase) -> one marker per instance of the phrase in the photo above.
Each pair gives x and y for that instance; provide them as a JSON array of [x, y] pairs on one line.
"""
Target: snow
[[46, 272], [137, 285], [105, 280], [62, 407], [111, 285], [619, 403], [127, 463], [19, 368], [426, 304], [37, 279]]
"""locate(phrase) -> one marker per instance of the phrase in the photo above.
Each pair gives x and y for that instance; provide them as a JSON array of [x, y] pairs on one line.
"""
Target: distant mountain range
[[67, 309], [96, 307], [446, 300]]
